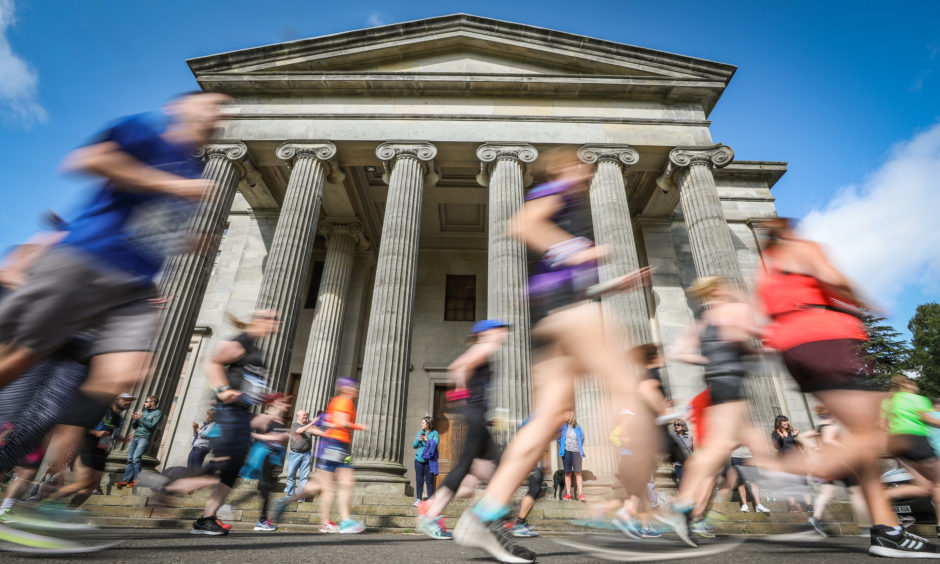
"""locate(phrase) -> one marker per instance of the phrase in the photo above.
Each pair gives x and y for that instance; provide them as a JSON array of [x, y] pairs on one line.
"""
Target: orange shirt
[[339, 404]]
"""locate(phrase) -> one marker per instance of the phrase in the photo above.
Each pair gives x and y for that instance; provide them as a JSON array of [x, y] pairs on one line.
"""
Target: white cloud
[[375, 19], [884, 234], [18, 81]]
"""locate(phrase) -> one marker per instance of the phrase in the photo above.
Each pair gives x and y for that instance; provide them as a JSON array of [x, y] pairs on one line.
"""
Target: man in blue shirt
[[101, 274]]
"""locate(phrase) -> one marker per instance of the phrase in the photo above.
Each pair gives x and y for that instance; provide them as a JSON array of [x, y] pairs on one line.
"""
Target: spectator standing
[[683, 441], [301, 452], [739, 458], [784, 437], [425, 445], [201, 446], [145, 425], [571, 450]]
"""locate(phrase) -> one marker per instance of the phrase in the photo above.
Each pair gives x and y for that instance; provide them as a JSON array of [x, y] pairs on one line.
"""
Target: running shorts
[[827, 365], [68, 291], [911, 447], [333, 454], [725, 388]]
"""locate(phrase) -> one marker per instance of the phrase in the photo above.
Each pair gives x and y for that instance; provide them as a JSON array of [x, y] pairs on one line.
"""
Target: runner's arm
[[107, 160]]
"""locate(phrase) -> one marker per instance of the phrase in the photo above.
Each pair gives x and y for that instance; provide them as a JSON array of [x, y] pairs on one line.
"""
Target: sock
[[887, 530], [489, 509], [520, 521], [8, 503]]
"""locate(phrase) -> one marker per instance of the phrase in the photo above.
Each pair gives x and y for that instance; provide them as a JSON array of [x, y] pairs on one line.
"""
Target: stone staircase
[[386, 508]]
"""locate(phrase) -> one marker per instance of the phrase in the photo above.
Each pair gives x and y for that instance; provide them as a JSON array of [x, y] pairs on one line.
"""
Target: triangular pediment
[[461, 44]]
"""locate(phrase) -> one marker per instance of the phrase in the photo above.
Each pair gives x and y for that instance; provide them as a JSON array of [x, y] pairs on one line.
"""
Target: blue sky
[[847, 92]]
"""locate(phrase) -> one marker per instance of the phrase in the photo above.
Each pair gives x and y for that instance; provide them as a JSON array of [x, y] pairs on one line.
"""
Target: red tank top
[[788, 299]]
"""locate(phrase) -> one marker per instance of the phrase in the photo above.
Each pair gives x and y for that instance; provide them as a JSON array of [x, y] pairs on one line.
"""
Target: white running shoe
[[760, 507], [744, 508]]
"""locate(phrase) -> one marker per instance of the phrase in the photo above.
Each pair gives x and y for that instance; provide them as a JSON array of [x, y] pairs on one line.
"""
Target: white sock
[[8, 503]]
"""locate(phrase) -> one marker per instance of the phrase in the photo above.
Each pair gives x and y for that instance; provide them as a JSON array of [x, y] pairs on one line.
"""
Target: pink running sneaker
[[329, 527]]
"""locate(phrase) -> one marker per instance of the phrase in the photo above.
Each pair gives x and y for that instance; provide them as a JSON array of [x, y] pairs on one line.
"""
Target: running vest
[[724, 357]]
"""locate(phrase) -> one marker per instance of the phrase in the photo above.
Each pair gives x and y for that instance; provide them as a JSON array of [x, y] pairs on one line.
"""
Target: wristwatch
[[221, 389]]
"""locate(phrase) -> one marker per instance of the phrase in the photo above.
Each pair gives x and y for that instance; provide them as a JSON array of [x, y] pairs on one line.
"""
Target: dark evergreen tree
[[925, 347], [886, 353]]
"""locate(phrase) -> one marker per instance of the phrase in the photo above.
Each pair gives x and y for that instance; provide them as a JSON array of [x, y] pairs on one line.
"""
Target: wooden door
[[450, 427]]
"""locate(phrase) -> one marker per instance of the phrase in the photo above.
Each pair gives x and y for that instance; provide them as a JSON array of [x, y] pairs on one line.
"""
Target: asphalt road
[[145, 546]]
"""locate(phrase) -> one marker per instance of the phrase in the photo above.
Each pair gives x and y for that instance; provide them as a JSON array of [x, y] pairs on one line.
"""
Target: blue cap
[[486, 325]]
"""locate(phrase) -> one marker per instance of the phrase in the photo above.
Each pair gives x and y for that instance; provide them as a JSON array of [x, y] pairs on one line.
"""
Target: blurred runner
[[472, 375], [333, 464], [100, 275], [568, 333], [717, 342], [814, 323], [237, 375]]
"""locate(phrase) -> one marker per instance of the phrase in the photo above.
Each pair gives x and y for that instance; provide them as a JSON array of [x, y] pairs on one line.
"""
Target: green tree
[[886, 353], [925, 347]]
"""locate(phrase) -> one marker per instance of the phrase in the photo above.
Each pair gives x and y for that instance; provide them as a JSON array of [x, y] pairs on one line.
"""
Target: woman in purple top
[[555, 224]]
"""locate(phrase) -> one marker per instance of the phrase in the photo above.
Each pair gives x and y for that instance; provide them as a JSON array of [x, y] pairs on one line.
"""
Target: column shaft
[[386, 365], [288, 260], [185, 277], [506, 297], [319, 371]]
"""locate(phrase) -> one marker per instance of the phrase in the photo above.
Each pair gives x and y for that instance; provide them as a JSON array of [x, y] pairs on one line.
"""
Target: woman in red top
[[814, 324]]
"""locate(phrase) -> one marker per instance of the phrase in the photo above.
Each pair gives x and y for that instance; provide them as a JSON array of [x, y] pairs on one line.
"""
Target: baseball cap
[[127, 396], [486, 325]]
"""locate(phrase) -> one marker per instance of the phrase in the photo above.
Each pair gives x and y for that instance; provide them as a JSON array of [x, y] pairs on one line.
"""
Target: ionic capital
[[422, 151], [323, 151], [230, 151], [235, 153], [621, 155], [717, 156], [491, 153], [350, 226]]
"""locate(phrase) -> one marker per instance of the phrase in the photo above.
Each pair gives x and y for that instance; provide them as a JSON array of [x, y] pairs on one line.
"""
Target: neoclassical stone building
[[365, 180]]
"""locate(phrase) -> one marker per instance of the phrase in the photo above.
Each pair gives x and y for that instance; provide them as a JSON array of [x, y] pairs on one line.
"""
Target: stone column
[[710, 239], [185, 277], [285, 271], [385, 371], [625, 313], [502, 169], [319, 372], [613, 227]]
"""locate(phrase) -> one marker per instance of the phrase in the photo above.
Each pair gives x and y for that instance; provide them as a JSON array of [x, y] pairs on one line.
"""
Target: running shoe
[[433, 528], [900, 545], [265, 526], [493, 537], [416, 503], [760, 507], [47, 517], [815, 524], [329, 527], [225, 526], [581, 497], [207, 526], [567, 497], [16, 540], [122, 484], [702, 529], [651, 533], [627, 525], [280, 506], [744, 508], [351, 527], [523, 530], [680, 521]]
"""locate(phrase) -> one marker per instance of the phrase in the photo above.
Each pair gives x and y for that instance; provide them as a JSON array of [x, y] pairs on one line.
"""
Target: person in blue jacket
[[571, 450], [425, 445]]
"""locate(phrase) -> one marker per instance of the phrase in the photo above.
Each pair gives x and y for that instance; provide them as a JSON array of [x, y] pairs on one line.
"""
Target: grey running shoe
[[493, 537], [817, 526]]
